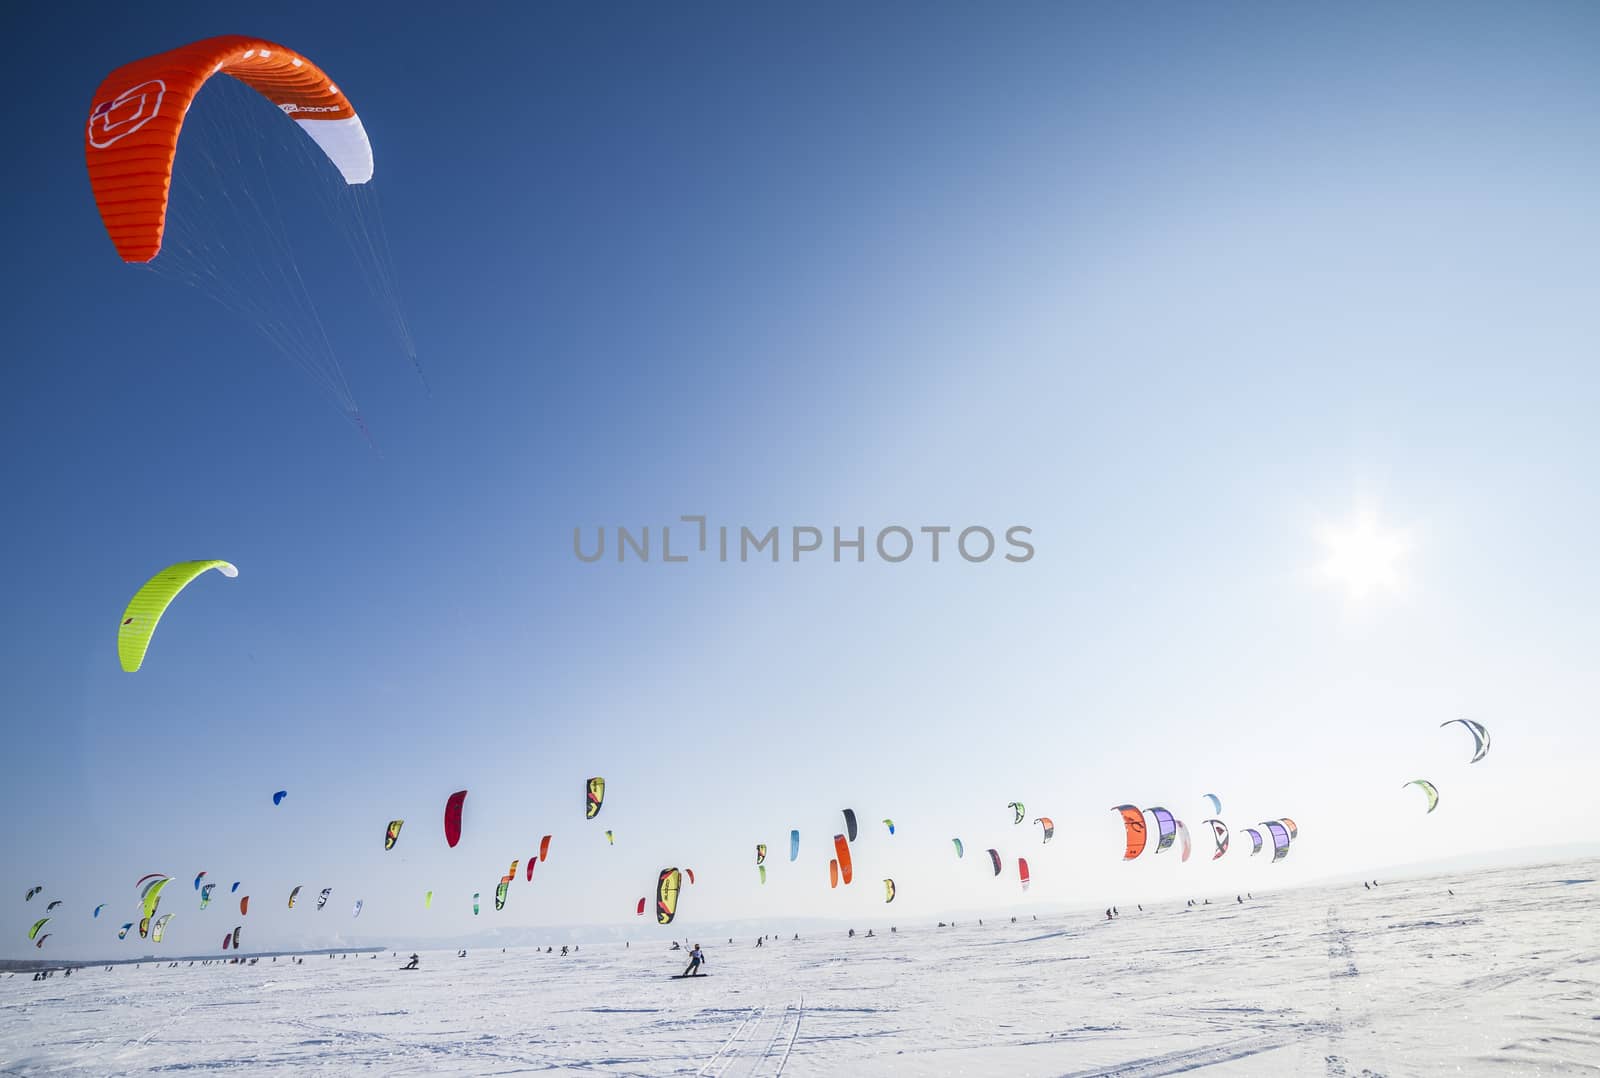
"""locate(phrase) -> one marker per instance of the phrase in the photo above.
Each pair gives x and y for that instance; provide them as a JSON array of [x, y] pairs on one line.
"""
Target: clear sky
[[1189, 292]]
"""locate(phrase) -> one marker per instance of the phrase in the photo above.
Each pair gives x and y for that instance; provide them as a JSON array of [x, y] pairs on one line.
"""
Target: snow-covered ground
[[1501, 978]]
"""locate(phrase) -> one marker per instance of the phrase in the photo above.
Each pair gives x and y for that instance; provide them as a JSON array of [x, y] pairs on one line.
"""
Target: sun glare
[[1365, 557]]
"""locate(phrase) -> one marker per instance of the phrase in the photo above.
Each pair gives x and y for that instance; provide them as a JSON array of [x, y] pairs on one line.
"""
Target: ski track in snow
[[1501, 979]]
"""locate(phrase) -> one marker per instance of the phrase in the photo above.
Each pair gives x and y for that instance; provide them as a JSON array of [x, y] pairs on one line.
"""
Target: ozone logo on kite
[[125, 113]]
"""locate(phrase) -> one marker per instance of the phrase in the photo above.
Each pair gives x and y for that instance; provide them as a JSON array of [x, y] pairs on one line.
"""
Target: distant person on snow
[[675, 946], [563, 950], [696, 957], [758, 940], [412, 964]]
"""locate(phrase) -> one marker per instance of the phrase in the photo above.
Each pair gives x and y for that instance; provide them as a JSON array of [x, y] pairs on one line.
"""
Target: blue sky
[[1180, 293]]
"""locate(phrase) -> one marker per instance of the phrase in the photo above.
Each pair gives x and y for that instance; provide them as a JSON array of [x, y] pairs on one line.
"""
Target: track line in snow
[[723, 1057], [1191, 1058], [759, 1047]]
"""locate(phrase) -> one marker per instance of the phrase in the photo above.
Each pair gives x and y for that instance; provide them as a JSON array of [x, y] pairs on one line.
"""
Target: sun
[[1365, 557]]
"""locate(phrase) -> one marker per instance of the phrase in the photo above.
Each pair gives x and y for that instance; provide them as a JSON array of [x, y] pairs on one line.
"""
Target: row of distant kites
[[150, 602], [1169, 831], [153, 885]]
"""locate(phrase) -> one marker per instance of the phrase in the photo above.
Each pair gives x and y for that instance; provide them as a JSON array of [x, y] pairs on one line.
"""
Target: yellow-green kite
[[144, 610]]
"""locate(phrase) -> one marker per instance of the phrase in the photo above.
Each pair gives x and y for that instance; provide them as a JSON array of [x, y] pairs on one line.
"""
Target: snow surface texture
[[1502, 978]]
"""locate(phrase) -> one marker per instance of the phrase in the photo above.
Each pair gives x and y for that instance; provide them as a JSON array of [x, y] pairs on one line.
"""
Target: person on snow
[[696, 957]]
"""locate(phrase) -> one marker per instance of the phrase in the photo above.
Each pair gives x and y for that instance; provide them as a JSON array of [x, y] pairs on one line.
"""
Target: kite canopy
[[1219, 833], [889, 824], [1133, 820], [994, 855], [667, 887], [144, 610], [139, 110], [1255, 838], [794, 845], [1049, 827], [761, 853], [391, 834], [850, 825], [888, 890], [544, 847], [277, 798], [1166, 827], [640, 911], [1428, 788], [960, 852], [833, 872], [1480, 737], [1183, 835], [1216, 803], [159, 929], [452, 817], [150, 888], [1022, 871], [1020, 809], [596, 798], [1280, 839], [294, 894], [841, 850]]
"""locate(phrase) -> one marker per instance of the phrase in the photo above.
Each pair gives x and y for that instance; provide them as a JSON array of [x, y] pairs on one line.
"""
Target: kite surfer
[[412, 964], [696, 957]]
